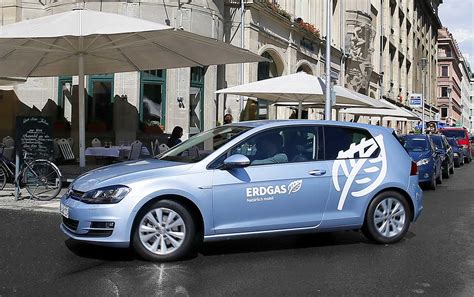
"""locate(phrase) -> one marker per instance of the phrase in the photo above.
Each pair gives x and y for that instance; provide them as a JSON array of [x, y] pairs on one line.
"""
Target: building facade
[[449, 78], [465, 93], [376, 49]]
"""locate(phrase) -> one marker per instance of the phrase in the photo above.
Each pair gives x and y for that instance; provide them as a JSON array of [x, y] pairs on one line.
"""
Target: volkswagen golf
[[249, 179]]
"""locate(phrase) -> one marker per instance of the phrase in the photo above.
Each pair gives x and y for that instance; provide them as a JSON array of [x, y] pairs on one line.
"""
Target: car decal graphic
[[295, 186], [351, 167]]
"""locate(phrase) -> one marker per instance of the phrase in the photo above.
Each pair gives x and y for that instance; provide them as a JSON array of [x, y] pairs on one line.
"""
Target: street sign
[[415, 100]]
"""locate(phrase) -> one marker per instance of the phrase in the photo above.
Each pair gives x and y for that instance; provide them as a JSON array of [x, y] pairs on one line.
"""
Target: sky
[[458, 16]]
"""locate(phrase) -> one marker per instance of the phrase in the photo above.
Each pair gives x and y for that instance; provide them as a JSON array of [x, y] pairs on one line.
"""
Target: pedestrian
[[175, 137], [228, 119]]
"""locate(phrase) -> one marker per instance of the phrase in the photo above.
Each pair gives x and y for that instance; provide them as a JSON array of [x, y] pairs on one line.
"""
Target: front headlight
[[423, 162], [456, 154], [106, 195]]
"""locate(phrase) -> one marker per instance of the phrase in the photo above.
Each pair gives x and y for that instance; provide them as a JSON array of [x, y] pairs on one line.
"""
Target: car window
[[339, 139], [279, 145], [438, 142], [416, 144], [202, 145], [458, 134]]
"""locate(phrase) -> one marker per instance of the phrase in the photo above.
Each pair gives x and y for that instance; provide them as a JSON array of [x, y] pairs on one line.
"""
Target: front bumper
[[105, 224]]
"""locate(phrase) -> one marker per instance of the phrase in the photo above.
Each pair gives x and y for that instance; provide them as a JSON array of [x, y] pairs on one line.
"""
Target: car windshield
[[458, 134], [452, 142], [415, 144], [437, 141], [202, 145]]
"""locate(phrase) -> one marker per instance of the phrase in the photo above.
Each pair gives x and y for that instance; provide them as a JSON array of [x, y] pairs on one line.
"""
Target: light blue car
[[249, 179]]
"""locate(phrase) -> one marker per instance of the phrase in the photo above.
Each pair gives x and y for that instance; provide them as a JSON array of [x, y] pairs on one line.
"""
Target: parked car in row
[[249, 179], [422, 150], [458, 152], [462, 137], [446, 152]]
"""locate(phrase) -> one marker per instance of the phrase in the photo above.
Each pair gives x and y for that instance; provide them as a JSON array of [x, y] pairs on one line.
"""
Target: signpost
[[33, 137], [415, 100]]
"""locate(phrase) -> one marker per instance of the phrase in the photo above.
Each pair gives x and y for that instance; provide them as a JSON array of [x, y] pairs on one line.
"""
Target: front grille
[[70, 223]]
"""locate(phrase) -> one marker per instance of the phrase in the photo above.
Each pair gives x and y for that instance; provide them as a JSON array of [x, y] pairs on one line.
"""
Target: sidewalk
[[7, 201]]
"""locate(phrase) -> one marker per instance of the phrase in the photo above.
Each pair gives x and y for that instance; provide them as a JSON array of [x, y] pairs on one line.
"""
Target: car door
[[358, 165], [268, 196]]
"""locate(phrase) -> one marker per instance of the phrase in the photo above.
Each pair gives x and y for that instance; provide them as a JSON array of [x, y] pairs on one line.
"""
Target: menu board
[[34, 137]]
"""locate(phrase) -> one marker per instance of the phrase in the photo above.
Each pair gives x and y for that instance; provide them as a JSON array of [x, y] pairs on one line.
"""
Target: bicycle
[[41, 178]]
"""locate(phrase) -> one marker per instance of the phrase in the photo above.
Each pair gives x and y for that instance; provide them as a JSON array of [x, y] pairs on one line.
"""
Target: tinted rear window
[[458, 134], [415, 144]]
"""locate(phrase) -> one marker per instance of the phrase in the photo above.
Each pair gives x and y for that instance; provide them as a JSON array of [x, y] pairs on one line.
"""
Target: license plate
[[64, 210]]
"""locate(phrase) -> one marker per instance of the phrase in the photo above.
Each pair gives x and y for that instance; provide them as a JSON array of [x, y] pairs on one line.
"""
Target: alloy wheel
[[162, 231], [389, 217]]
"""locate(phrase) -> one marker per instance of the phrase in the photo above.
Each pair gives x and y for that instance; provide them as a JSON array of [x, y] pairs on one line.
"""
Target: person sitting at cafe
[[175, 137]]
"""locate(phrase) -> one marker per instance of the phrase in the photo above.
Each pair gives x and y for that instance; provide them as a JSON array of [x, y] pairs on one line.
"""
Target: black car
[[446, 152], [457, 151]]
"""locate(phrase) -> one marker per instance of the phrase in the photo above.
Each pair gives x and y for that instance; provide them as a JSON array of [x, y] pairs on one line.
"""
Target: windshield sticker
[[373, 174], [260, 194]]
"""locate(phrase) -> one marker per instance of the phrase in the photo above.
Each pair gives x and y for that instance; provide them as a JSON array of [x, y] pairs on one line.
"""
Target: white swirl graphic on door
[[351, 167]]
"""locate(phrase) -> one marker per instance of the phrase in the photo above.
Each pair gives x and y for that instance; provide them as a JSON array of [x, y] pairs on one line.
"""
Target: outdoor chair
[[135, 151], [71, 142], [163, 148], [155, 148], [66, 150], [8, 145], [96, 142]]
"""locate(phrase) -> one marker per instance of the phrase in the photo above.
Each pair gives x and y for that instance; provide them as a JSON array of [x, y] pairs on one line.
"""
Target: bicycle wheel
[[42, 180], [3, 178]]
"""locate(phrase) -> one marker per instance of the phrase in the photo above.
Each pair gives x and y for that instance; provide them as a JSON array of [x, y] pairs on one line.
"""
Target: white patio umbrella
[[394, 112], [83, 42], [299, 88], [7, 83]]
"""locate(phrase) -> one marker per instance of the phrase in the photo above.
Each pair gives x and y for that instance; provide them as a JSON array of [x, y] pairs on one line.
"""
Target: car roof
[[277, 123], [453, 128]]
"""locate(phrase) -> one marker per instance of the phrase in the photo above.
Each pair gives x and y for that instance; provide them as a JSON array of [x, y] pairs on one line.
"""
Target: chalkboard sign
[[34, 137]]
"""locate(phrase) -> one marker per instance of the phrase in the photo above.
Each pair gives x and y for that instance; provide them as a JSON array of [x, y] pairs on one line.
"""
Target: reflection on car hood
[[121, 173], [417, 156]]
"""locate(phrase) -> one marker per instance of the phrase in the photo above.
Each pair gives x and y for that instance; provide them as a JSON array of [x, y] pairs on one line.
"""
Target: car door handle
[[317, 172]]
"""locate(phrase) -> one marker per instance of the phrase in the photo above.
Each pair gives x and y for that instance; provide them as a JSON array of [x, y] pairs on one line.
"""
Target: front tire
[[164, 231], [387, 218], [42, 180]]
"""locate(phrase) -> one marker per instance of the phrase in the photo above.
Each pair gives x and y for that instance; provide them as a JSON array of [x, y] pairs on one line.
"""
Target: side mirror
[[236, 161]]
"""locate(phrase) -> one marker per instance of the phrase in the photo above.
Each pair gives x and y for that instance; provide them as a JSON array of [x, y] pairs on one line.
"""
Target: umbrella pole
[[82, 136], [300, 109]]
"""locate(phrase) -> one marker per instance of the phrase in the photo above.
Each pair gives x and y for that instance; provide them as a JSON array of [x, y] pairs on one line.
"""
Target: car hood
[[417, 156], [124, 172]]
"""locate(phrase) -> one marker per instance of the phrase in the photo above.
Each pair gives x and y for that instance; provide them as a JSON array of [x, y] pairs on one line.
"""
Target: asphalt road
[[435, 259]]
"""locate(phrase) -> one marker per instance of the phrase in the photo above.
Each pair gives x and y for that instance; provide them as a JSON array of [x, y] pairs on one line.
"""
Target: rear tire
[[457, 163], [3, 178], [439, 179], [387, 218], [451, 170], [164, 231]]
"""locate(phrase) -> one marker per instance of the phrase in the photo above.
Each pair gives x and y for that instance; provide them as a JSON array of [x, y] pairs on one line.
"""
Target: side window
[[281, 145], [337, 139]]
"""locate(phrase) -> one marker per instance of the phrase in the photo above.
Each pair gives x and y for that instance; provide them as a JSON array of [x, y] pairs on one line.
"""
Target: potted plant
[[153, 127]]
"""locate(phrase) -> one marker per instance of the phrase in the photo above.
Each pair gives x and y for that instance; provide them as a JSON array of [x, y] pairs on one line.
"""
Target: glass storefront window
[[196, 98], [153, 94], [65, 98], [99, 101]]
